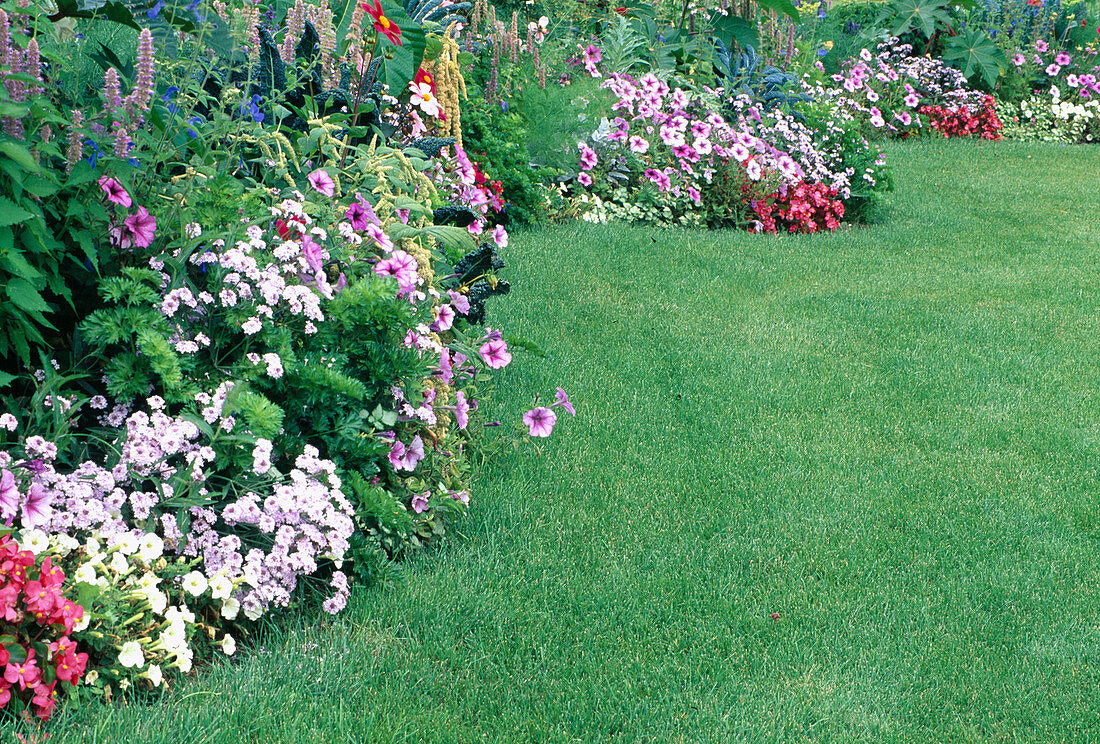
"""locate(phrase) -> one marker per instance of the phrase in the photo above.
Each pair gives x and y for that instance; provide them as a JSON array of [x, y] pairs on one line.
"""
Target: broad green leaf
[[17, 653], [448, 235], [907, 15], [14, 263], [973, 51], [25, 296], [11, 213], [781, 6], [730, 28], [17, 110], [6, 379], [19, 154]]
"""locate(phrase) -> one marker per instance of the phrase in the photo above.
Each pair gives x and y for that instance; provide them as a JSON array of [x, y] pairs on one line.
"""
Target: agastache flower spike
[[142, 94]]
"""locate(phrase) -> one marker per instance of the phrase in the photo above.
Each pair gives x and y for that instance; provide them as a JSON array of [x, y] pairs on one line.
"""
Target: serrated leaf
[[11, 213], [6, 379], [20, 155], [25, 296]]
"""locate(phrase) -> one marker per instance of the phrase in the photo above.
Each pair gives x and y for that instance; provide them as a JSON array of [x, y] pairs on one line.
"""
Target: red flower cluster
[[804, 207], [25, 603], [960, 121]]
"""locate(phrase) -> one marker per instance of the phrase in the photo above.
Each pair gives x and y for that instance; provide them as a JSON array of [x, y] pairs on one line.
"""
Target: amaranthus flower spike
[[383, 25]]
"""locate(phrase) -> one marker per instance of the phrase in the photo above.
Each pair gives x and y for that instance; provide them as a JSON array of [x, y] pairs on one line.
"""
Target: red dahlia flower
[[383, 25]]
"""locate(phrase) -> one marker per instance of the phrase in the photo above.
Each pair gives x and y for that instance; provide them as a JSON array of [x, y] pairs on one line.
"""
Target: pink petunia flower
[[136, 230], [500, 236], [36, 509], [584, 179], [406, 458], [459, 301], [444, 318], [562, 399], [9, 495], [420, 502], [322, 182], [540, 421], [115, 193], [462, 410], [495, 354]]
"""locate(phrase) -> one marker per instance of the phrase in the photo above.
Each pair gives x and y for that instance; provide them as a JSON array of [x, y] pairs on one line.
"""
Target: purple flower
[[322, 182], [420, 502], [444, 319], [36, 509], [9, 495], [584, 179], [500, 236], [115, 193], [357, 216], [495, 354], [459, 301], [462, 410], [561, 399], [540, 421], [406, 458], [402, 267]]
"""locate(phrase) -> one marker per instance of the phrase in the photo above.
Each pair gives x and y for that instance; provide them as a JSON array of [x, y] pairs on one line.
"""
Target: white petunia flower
[[85, 574], [154, 675], [230, 608], [194, 583], [229, 646], [131, 654], [220, 587], [150, 547], [128, 544], [35, 541]]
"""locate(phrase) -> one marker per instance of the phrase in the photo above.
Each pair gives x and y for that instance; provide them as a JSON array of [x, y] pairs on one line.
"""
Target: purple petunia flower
[[540, 421]]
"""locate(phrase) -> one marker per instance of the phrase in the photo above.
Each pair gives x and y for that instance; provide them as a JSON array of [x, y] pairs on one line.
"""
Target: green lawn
[[889, 436]]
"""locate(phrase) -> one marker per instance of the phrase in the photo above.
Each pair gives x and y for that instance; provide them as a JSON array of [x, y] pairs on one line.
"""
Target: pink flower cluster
[[29, 609]]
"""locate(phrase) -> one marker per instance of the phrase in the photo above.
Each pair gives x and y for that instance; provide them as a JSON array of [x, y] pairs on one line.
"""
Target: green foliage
[[971, 51], [929, 17], [497, 137], [622, 45]]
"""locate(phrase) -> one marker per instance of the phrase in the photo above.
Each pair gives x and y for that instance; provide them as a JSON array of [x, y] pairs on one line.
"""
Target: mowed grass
[[888, 437]]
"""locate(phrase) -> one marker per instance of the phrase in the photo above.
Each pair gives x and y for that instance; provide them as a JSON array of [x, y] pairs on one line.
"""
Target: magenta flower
[[584, 179], [446, 371], [462, 410], [406, 458], [495, 354], [314, 253], [1018, 59], [1053, 69], [588, 156], [357, 216], [1063, 59], [562, 399], [115, 193], [137, 230], [36, 509], [540, 421], [639, 144], [459, 301], [143, 227], [9, 495], [402, 267], [322, 182], [444, 319], [420, 502], [500, 236]]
